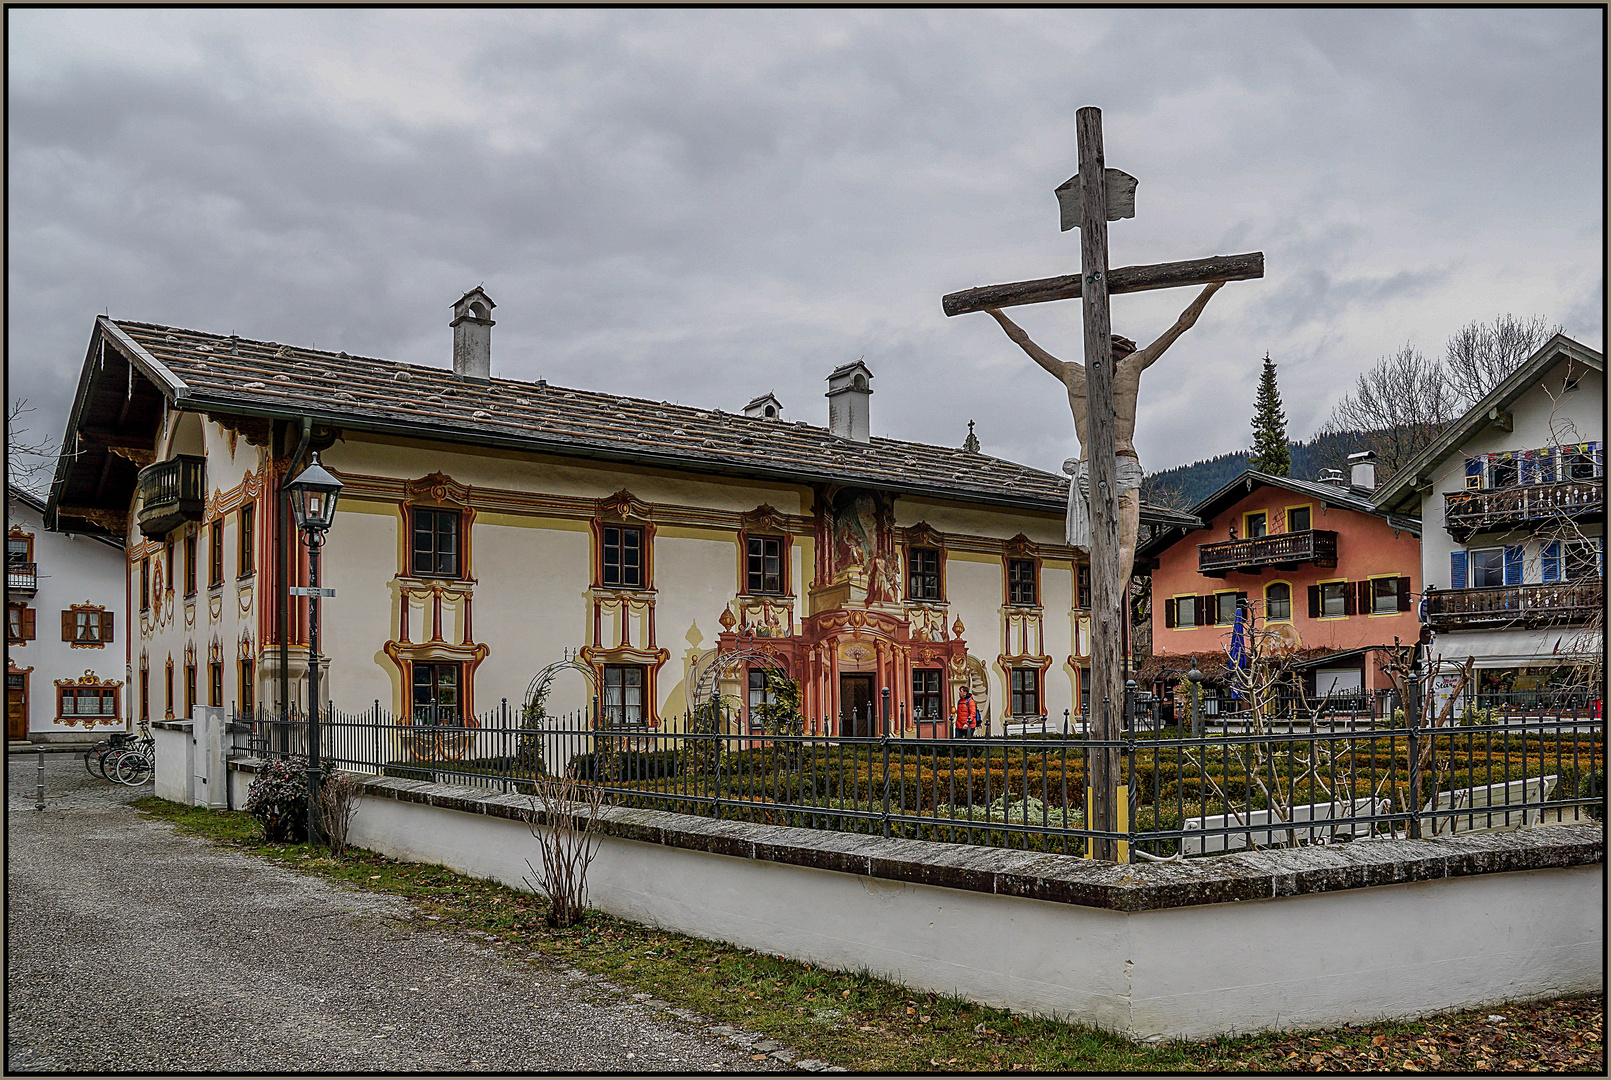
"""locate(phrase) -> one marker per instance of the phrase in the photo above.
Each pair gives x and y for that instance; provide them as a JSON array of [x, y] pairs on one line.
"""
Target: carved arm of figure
[[1145, 358], [1052, 364]]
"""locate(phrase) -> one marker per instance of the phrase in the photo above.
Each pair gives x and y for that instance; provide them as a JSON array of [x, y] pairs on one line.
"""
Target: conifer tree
[[1270, 452]]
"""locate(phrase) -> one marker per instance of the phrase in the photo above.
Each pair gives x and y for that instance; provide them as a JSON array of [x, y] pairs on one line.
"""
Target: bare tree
[[1480, 356], [1401, 404], [561, 817], [28, 458]]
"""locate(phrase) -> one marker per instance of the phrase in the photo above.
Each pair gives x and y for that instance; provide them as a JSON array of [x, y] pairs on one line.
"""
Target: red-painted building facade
[[1315, 562]]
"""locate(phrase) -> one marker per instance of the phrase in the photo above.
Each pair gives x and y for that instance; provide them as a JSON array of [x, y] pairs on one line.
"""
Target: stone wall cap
[[1067, 879]]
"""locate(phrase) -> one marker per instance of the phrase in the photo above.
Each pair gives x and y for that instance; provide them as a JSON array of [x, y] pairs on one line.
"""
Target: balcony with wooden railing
[[1485, 510], [22, 578], [1515, 606], [171, 493], [1284, 550]]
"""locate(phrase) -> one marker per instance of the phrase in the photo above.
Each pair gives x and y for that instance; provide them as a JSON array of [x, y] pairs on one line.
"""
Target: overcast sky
[[702, 206]]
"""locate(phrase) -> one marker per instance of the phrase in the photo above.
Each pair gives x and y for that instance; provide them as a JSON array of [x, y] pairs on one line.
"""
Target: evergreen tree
[[1270, 451]]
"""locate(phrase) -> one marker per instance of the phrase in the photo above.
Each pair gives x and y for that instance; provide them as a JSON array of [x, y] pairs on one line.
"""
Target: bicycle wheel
[[93, 753], [132, 769], [108, 760]]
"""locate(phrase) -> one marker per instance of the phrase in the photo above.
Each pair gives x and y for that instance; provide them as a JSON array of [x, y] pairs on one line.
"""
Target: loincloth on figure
[[1078, 526]]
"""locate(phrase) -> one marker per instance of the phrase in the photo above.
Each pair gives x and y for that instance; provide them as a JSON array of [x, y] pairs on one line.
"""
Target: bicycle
[[134, 762], [95, 757]]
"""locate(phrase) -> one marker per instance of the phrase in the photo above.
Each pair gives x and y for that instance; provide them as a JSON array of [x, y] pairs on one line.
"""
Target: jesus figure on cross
[[1128, 364]]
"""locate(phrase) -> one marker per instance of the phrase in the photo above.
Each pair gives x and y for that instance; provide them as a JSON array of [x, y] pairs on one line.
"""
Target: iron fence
[[1347, 776]]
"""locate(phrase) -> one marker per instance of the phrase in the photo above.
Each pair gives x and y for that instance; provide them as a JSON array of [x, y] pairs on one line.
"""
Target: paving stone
[[766, 1046]]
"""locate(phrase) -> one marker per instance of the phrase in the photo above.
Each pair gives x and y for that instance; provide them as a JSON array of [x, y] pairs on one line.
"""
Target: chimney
[[1362, 470], [1334, 477], [848, 394], [472, 336], [767, 406]]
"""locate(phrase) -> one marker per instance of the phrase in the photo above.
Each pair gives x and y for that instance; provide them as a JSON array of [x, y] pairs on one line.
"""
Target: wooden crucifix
[[1107, 520]]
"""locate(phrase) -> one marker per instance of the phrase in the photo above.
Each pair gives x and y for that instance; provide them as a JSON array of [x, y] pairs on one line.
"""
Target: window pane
[[1331, 599], [1383, 595], [1580, 561], [1226, 605], [1256, 525], [1185, 611], [1487, 568], [1298, 520], [1278, 602]]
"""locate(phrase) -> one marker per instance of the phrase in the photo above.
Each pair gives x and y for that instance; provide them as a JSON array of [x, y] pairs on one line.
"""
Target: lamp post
[[313, 501]]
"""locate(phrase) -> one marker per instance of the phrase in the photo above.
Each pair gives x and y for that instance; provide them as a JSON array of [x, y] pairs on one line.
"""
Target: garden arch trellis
[[726, 665], [538, 687]]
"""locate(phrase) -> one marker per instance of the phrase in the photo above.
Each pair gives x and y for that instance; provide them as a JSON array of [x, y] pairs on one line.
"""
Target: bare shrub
[[339, 796], [563, 812]]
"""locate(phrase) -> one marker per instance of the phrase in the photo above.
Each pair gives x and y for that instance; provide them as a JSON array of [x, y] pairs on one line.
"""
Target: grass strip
[[866, 1024]]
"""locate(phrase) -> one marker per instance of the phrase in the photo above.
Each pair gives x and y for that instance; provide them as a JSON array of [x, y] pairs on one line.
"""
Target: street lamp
[[313, 501]]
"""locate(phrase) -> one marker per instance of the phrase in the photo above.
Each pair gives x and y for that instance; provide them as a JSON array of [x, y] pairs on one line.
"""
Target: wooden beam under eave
[[115, 522]]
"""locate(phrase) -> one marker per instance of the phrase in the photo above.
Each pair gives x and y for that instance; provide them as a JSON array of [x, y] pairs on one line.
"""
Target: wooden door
[[16, 706], [856, 705]]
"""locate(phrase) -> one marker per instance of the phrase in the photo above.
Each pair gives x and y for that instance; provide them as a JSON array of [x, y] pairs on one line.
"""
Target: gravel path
[[207, 959]]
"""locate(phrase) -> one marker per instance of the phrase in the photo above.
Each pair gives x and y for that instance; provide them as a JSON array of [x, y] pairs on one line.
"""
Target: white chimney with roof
[[767, 406], [1334, 477], [848, 407], [1362, 470], [472, 336]]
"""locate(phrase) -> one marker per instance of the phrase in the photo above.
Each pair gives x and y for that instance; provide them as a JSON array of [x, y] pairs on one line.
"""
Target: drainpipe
[[284, 558]]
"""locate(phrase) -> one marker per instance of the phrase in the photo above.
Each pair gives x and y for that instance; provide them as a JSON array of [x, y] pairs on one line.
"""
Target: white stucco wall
[[72, 569], [1544, 415], [1193, 972]]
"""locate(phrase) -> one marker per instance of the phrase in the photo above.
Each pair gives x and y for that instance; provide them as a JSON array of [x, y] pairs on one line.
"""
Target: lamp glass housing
[[313, 497]]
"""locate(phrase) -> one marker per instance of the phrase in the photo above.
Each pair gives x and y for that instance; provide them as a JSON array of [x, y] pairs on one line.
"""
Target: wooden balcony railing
[[1521, 606], [1468, 512], [171, 493], [1318, 546], [22, 578]]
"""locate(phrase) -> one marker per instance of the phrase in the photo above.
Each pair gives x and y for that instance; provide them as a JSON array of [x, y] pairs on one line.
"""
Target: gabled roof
[[264, 379], [1400, 492], [1346, 498]]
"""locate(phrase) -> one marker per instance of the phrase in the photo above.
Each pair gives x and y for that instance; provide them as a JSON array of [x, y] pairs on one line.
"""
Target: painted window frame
[[215, 684], [21, 624], [1016, 692], [104, 624], [1033, 566], [145, 583], [435, 707], [414, 551], [622, 707], [246, 551], [1376, 599], [1247, 523], [1269, 618], [928, 688], [190, 688], [1286, 516], [1342, 595], [77, 691], [1191, 599], [751, 539], [622, 529], [917, 573], [1471, 568], [1236, 596], [191, 538], [26, 539], [215, 554]]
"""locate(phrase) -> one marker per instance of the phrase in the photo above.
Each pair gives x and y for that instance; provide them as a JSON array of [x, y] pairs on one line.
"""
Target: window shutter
[[1197, 610], [1550, 561], [1457, 569], [1169, 615], [27, 624], [1350, 606], [1513, 564], [1473, 472], [68, 626], [108, 621], [1314, 601], [1404, 594]]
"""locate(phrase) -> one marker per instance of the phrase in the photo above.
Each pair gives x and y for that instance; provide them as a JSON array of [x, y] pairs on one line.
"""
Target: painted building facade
[[489, 527], [66, 637], [1513, 500], [1317, 564]]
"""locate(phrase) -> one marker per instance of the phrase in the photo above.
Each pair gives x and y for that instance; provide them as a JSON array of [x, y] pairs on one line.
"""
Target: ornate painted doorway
[[856, 705]]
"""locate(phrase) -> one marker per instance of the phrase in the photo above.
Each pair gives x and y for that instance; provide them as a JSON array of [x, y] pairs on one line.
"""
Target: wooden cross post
[[1104, 195]]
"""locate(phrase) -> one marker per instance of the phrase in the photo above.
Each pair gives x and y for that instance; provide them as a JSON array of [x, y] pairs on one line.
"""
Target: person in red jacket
[[967, 716]]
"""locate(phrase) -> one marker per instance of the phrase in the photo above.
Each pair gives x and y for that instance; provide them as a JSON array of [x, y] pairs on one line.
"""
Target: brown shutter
[[27, 624], [1350, 597], [1404, 594], [1314, 601], [68, 626], [1198, 613], [108, 622], [1169, 614]]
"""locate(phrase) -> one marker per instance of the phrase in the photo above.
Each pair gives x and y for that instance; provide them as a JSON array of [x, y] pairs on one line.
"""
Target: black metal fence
[[1345, 776]]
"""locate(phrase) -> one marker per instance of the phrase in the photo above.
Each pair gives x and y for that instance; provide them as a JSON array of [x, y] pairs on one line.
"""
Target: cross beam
[[1124, 279]]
